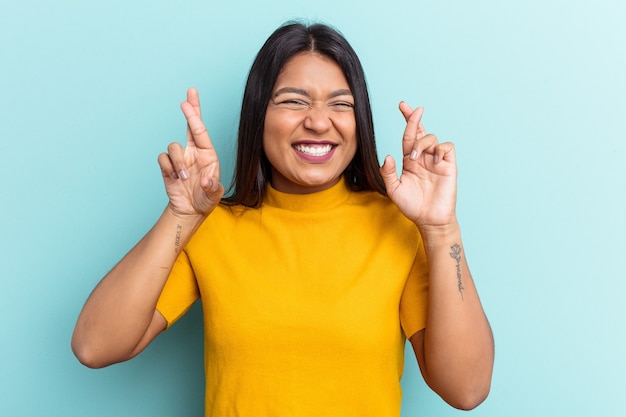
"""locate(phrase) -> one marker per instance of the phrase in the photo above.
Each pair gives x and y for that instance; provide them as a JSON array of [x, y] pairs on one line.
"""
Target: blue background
[[531, 92]]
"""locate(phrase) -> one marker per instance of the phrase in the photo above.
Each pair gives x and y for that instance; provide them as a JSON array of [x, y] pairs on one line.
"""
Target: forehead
[[311, 70]]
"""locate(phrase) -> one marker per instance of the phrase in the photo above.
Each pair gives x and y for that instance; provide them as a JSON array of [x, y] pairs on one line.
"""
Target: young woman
[[318, 265]]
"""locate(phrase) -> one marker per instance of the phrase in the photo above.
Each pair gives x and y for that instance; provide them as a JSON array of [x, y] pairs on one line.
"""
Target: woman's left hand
[[425, 192]]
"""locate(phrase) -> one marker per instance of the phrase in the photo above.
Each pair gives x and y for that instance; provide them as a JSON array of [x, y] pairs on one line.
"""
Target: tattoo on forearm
[[179, 229], [456, 255]]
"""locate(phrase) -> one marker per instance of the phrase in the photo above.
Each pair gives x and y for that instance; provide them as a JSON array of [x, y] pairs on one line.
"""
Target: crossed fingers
[[173, 163], [416, 141]]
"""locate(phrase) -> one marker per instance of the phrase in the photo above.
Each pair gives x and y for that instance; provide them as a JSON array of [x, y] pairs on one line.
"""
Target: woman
[[317, 267]]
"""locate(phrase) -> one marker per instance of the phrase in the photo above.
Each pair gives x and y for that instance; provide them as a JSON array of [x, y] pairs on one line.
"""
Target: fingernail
[[183, 174], [174, 175], [436, 158], [413, 154]]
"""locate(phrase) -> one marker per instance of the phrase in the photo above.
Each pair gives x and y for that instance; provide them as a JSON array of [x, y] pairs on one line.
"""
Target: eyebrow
[[301, 91]]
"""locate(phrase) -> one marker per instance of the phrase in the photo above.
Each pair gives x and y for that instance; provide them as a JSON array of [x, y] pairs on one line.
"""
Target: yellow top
[[306, 301]]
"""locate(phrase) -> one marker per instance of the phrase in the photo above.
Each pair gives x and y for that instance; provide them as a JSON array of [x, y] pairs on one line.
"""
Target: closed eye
[[293, 104], [342, 106], [293, 101]]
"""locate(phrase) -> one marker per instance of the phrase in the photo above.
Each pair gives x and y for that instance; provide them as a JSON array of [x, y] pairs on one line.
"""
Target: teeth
[[315, 150]]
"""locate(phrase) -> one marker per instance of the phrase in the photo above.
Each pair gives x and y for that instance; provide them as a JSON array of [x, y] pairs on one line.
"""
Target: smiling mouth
[[314, 150]]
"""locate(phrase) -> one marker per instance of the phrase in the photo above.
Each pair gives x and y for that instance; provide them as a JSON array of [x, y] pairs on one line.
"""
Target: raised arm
[[455, 351], [119, 318]]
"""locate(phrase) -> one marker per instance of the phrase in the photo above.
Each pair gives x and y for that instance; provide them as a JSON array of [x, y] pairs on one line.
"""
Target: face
[[310, 128]]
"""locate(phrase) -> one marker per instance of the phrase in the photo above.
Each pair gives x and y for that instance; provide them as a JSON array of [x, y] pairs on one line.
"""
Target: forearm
[[120, 309], [458, 343]]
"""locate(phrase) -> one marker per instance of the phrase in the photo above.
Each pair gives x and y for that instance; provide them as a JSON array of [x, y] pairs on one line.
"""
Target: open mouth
[[314, 150]]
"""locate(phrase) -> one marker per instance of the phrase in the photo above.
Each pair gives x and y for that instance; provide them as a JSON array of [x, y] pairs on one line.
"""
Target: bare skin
[[455, 352], [119, 318]]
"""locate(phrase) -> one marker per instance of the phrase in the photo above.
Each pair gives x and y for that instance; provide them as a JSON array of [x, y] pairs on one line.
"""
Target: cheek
[[345, 123], [269, 134], [277, 127], [273, 146], [347, 128]]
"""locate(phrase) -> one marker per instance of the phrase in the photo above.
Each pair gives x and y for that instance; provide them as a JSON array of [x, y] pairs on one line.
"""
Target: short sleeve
[[414, 300], [180, 291]]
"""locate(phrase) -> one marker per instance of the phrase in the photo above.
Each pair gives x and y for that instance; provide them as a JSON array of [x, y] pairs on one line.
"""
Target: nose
[[318, 119]]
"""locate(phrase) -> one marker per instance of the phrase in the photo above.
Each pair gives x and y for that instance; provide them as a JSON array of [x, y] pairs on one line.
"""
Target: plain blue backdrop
[[531, 92]]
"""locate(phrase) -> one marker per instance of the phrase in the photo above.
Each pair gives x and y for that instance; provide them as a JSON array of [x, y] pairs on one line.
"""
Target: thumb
[[212, 186], [210, 196], [389, 174]]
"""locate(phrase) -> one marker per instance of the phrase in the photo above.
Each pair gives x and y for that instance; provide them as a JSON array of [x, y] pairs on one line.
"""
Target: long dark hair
[[252, 169]]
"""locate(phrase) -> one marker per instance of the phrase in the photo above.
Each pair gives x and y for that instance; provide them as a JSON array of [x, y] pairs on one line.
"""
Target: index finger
[[197, 132], [414, 128], [193, 98], [407, 111]]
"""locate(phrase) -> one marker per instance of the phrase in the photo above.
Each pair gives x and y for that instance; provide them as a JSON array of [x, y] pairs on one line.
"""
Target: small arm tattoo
[[456, 255], [179, 229]]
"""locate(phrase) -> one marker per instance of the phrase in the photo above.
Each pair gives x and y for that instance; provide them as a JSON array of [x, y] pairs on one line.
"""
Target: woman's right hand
[[192, 174]]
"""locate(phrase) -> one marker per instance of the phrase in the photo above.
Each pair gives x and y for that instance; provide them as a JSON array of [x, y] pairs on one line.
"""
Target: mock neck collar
[[318, 201]]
